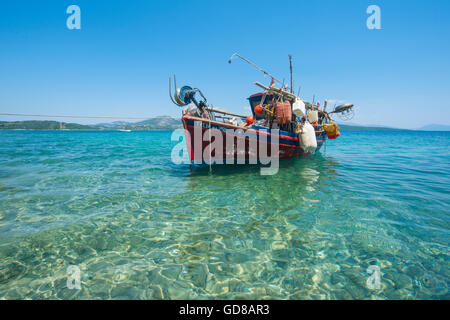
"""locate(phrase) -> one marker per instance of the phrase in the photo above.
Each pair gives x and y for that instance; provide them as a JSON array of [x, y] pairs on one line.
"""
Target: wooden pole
[[292, 80], [277, 91], [226, 112]]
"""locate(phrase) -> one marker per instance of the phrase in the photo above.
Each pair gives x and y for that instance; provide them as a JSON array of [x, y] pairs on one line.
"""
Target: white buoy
[[308, 138], [298, 108], [313, 116]]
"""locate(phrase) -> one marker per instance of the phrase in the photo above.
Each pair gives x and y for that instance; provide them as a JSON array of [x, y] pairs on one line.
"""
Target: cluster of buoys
[[332, 130], [283, 112]]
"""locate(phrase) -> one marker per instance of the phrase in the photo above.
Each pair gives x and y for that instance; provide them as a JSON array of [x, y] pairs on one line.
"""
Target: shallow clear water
[[140, 227]]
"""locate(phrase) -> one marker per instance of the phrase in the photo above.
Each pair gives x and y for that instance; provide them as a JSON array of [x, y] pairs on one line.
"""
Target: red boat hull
[[237, 143]]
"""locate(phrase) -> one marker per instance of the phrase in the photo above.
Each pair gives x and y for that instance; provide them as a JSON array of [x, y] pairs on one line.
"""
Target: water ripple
[[140, 227]]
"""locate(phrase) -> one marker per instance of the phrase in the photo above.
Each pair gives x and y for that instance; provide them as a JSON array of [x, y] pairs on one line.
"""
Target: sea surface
[[138, 226]]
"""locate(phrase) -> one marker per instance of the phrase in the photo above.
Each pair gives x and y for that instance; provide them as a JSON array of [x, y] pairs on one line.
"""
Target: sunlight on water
[[140, 227]]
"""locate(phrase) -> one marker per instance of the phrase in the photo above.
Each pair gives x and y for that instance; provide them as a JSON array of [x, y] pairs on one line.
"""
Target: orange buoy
[[258, 110], [250, 120]]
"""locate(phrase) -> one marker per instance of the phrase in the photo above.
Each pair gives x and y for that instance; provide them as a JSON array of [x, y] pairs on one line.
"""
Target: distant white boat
[[124, 130]]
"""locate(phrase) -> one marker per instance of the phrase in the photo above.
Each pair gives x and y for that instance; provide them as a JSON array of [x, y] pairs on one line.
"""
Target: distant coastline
[[154, 124], [161, 123]]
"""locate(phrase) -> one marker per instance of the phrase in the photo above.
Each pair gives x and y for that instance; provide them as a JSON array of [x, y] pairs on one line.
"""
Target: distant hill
[[435, 127], [43, 125], [157, 123], [113, 124]]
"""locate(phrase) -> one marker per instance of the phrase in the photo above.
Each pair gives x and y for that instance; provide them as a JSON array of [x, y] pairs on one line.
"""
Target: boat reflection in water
[[298, 182]]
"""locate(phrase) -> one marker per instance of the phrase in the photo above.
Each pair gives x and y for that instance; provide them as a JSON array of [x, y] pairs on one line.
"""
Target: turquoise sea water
[[141, 227]]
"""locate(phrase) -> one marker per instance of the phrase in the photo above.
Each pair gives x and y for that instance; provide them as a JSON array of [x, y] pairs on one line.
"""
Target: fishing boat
[[281, 124]]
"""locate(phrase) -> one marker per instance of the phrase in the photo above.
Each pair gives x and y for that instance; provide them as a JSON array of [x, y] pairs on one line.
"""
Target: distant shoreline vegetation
[[155, 124], [159, 123]]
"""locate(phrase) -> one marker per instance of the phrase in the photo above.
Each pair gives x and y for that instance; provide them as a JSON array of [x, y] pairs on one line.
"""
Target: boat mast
[[292, 80]]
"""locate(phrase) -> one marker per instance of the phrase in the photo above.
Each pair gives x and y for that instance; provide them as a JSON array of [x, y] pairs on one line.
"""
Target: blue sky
[[119, 63]]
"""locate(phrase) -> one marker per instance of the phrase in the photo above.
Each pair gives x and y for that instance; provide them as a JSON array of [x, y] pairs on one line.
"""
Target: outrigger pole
[[255, 66]]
